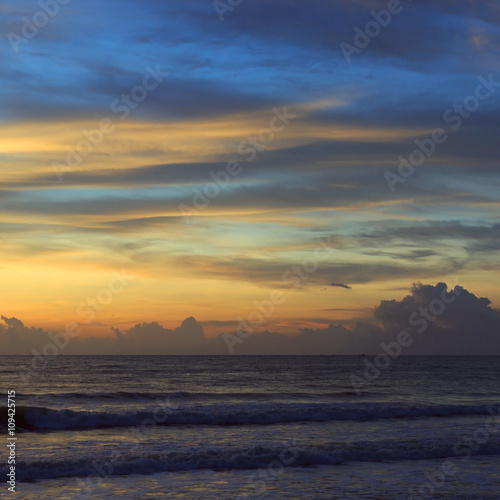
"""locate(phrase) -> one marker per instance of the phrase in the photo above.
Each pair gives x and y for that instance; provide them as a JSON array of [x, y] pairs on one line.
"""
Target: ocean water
[[141, 427]]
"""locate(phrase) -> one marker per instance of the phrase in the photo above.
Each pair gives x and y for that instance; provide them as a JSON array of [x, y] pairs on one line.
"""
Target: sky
[[289, 165]]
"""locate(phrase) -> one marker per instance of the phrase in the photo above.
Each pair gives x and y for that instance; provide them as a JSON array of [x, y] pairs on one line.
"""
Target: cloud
[[341, 285], [440, 321], [13, 324], [118, 333]]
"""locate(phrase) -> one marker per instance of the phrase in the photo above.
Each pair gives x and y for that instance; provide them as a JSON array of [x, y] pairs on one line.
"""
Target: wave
[[185, 395], [256, 457], [41, 418]]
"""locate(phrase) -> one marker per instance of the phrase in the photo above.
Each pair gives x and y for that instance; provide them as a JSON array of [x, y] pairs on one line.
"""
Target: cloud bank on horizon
[[435, 321]]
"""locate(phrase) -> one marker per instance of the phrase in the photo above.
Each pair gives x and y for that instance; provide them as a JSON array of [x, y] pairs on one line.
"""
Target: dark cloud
[[13, 324], [341, 285], [350, 189], [442, 321]]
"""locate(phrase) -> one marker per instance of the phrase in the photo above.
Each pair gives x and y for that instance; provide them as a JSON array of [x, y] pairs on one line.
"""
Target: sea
[[241, 427]]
